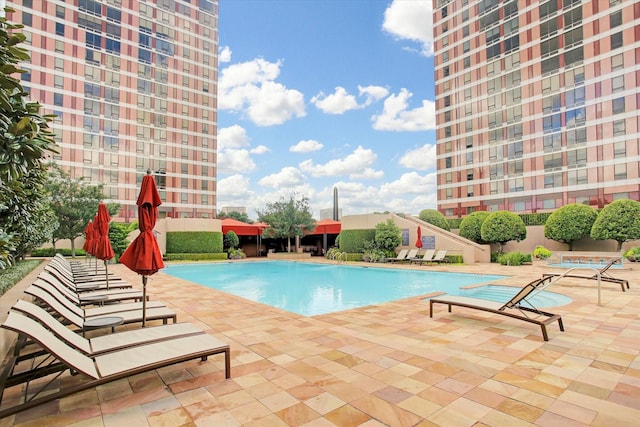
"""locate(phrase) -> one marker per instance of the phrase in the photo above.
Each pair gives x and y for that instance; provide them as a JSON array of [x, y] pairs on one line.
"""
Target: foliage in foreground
[[435, 217], [471, 226], [13, 275], [540, 252], [501, 227], [388, 237], [514, 258]]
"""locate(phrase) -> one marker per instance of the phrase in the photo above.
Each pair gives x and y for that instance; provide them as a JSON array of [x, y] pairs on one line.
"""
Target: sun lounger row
[[52, 326], [411, 255], [603, 274]]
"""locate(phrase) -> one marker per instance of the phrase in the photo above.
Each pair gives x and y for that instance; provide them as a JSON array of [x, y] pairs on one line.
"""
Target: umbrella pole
[[144, 301], [106, 273]]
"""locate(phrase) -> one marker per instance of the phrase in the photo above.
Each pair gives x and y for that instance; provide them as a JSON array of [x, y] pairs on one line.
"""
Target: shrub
[[471, 226], [502, 227], [236, 254], [570, 223], [14, 274], [633, 254], [540, 252], [388, 237], [619, 221], [49, 252], [435, 217], [352, 241], [190, 242], [513, 258], [231, 240]]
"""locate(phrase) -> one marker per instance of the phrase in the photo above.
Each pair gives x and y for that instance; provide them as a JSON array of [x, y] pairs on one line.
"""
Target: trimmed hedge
[[352, 241], [528, 219], [50, 252], [220, 256], [16, 273], [194, 242]]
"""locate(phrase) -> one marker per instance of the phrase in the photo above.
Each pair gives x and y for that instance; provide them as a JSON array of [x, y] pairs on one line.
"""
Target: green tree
[[231, 240], [388, 236], [235, 215], [619, 221], [119, 235], [74, 203], [435, 217], [471, 226], [501, 227], [25, 140], [287, 218], [570, 223]]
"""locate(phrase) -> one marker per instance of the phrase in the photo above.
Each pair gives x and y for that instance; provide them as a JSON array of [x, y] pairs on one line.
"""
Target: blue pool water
[[310, 289], [595, 265]]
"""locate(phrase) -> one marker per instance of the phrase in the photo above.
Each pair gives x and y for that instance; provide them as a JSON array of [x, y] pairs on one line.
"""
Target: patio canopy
[[241, 228], [327, 226]]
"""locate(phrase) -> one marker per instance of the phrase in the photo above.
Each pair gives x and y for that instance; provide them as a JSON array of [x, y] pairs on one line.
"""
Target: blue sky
[[317, 94]]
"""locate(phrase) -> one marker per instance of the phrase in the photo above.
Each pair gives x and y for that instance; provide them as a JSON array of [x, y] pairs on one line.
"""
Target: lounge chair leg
[[544, 332], [560, 324], [449, 308], [227, 364], [204, 358], [430, 308]]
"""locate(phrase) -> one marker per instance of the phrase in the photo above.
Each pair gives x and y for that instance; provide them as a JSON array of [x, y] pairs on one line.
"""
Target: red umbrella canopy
[[88, 238], [102, 248], [419, 240], [143, 254]]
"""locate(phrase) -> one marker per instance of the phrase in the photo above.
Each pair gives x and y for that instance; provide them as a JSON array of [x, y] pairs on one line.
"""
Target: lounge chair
[[603, 272], [76, 316], [517, 307], [95, 298], [408, 256], [441, 256], [98, 369], [94, 282], [427, 257], [401, 256], [104, 343], [83, 298]]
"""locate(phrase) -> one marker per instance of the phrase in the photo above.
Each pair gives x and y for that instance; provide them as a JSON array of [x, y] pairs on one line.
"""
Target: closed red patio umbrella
[[143, 254], [419, 239], [88, 238], [102, 245]]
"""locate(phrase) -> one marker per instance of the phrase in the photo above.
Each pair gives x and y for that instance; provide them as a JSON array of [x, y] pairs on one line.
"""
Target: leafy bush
[[535, 218], [471, 226], [513, 258], [388, 237], [502, 227], [49, 252], [194, 242], [196, 257], [13, 275], [352, 241], [619, 221], [570, 223], [435, 217], [236, 254], [231, 240], [633, 254], [118, 234], [540, 252]]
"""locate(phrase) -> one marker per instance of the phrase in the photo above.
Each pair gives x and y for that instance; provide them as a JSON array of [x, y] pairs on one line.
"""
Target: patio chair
[[427, 257], [73, 282], [96, 370], [441, 256], [77, 316], [603, 272], [83, 298], [103, 343], [400, 257], [517, 307]]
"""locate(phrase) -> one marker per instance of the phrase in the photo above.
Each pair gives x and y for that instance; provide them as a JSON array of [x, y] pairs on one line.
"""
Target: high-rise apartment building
[[537, 104], [134, 85]]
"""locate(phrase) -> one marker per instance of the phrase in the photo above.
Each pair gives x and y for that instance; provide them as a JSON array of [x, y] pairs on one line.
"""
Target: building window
[[576, 136], [447, 162], [577, 177], [617, 62], [552, 161], [615, 19], [620, 171], [618, 105], [553, 180], [57, 99], [577, 158], [619, 127], [617, 83], [515, 168], [576, 117], [469, 190], [616, 40], [619, 149], [59, 29], [470, 175], [552, 142], [552, 123]]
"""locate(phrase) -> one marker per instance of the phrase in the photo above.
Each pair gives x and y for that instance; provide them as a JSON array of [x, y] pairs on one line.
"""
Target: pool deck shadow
[[380, 365]]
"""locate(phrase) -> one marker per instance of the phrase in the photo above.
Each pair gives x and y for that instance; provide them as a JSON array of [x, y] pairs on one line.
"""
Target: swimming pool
[[310, 289]]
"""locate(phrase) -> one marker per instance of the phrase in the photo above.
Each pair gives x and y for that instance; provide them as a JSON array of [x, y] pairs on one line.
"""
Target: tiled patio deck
[[388, 364]]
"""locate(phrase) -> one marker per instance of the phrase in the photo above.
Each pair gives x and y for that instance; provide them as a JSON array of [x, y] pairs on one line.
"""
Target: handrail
[[579, 268]]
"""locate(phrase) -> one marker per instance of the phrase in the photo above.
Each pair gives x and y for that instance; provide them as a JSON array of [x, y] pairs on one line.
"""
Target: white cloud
[[411, 20], [250, 88], [373, 93], [336, 103], [409, 183], [306, 146], [235, 161], [234, 187], [421, 158], [356, 165], [224, 55], [232, 137], [287, 177], [396, 117], [260, 149]]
